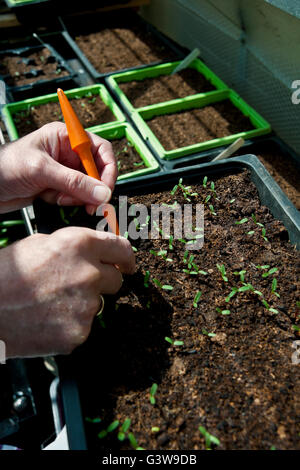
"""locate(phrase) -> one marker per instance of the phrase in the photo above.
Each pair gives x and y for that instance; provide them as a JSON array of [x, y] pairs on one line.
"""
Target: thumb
[[76, 184]]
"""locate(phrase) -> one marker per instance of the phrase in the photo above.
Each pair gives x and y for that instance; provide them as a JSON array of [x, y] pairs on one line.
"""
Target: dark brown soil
[[91, 111], [199, 125], [127, 157], [123, 44], [233, 374], [283, 169], [23, 70], [166, 87]]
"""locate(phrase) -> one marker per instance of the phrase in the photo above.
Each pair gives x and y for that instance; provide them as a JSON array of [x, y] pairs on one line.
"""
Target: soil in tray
[[231, 371], [122, 44], [199, 125], [166, 87], [283, 169], [127, 157], [23, 70], [90, 110]]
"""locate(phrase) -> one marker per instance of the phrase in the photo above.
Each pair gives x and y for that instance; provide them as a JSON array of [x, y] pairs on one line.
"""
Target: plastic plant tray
[[126, 130], [9, 110], [23, 52], [48, 220], [142, 115], [96, 75], [157, 71]]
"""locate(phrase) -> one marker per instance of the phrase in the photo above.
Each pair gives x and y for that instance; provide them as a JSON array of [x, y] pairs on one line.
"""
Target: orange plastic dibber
[[81, 144], [79, 138]]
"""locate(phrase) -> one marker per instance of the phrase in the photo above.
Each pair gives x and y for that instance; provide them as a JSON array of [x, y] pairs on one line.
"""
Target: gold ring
[[101, 307]]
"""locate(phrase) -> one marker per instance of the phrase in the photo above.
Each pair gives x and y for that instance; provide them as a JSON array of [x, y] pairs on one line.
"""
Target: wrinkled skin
[[50, 285]]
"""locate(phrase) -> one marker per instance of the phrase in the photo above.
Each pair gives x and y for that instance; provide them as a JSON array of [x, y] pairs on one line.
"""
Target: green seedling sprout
[[93, 420], [152, 393], [223, 312], [133, 442], [222, 270], [161, 286], [161, 253], [234, 290], [274, 287], [209, 438], [265, 304], [240, 222], [110, 428], [205, 332], [241, 274], [270, 272], [171, 242], [174, 343], [155, 429], [296, 327], [204, 184], [212, 210], [123, 429], [146, 279], [197, 298]]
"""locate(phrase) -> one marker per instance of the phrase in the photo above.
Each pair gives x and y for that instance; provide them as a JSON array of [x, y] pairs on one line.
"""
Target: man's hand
[[50, 287], [43, 164]]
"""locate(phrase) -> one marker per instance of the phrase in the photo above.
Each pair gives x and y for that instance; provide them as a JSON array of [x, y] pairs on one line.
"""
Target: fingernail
[[64, 200], [91, 210], [101, 193]]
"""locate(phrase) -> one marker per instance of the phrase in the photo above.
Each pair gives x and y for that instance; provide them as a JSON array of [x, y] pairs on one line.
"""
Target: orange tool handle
[[81, 144], [79, 138]]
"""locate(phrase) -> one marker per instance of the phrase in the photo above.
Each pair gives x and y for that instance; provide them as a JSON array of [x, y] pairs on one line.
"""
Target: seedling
[[296, 328], [197, 298], [263, 230], [174, 343], [209, 438], [241, 274], [133, 442], [161, 286], [171, 242], [274, 287], [152, 393], [222, 270], [146, 279], [223, 312], [211, 335], [269, 273], [234, 290], [163, 254], [93, 420], [204, 184], [123, 429], [240, 222], [110, 428], [212, 210], [155, 429], [265, 303]]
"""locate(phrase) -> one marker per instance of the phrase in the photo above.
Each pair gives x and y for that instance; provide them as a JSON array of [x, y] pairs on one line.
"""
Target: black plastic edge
[[72, 413]]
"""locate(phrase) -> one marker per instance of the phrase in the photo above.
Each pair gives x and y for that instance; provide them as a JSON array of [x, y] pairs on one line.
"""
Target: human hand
[[43, 164], [50, 287]]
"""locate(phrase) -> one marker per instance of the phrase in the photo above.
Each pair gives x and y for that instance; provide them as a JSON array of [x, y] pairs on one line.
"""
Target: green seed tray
[[10, 109], [157, 71], [126, 130], [142, 115]]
